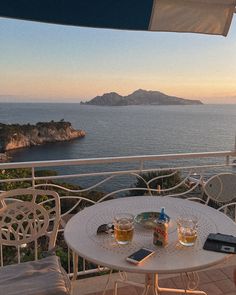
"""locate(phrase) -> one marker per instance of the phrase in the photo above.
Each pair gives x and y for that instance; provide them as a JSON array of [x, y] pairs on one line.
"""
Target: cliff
[[14, 136], [140, 97], [3, 157]]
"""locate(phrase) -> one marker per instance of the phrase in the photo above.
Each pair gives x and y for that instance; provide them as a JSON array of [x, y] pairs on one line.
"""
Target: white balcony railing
[[84, 182]]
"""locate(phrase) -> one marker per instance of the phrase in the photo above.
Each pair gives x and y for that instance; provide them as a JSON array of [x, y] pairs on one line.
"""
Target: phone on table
[[140, 255]]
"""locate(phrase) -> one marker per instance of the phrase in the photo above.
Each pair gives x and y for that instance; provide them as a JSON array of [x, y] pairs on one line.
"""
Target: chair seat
[[42, 277]]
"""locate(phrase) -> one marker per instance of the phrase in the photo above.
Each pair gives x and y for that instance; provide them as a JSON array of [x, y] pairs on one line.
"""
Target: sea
[[126, 130]]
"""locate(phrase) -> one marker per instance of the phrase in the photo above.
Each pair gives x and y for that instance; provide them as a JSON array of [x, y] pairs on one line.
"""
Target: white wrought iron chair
[[220, 190], [30, 217]]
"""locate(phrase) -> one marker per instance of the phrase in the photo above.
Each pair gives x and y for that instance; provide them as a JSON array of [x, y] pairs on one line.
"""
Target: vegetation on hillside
[[154, 182]]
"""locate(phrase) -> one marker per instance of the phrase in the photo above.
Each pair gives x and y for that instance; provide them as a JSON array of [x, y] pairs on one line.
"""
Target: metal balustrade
[[187, 172]]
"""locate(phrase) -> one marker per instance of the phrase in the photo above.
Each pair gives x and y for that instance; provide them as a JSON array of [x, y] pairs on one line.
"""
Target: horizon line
[[79, 102]]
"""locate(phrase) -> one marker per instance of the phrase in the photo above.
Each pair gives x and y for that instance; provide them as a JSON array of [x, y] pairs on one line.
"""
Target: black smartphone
[[140, 255]]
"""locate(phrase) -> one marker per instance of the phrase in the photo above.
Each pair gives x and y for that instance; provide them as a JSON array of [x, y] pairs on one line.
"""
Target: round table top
[[80, 235]]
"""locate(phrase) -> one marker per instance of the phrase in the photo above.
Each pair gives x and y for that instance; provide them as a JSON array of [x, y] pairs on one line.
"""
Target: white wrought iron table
[[80, 235]]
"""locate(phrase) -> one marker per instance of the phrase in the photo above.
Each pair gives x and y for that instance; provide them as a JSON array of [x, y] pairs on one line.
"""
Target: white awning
[[194, 16]]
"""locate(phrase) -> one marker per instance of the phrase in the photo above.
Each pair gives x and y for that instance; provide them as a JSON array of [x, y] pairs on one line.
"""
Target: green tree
[[163, 182]]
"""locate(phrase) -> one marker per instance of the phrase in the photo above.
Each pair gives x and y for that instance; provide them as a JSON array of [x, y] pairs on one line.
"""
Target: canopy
[[195, 16]]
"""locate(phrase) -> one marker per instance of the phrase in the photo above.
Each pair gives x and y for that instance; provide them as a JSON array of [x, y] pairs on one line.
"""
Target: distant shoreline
[[83, 104]]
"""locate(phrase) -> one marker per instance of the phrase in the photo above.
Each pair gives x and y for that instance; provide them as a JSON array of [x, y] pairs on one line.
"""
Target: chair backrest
[[221, 188], [26, 215]]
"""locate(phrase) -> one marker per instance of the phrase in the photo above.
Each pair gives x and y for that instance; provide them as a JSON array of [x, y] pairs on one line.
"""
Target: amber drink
[[124, 228], [187, 230]]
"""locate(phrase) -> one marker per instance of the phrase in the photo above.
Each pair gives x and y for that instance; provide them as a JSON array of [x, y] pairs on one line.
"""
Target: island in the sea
[[140, 97], [14, 136]]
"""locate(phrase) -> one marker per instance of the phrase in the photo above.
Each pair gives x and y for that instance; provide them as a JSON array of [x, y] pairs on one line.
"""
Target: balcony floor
[[214, 281]]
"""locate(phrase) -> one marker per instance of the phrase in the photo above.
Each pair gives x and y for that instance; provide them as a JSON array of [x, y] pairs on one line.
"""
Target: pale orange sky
[[41, 62]]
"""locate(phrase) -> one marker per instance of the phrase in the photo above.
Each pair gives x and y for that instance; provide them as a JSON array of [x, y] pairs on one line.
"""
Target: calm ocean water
[[130, 130]]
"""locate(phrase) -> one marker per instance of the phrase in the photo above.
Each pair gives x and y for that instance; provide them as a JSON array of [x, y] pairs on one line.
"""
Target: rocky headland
[[14, 136], [140, 97]]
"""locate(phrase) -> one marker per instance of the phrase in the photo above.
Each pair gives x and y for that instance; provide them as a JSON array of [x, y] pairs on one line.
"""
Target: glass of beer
[[187, 230], [123, 228]]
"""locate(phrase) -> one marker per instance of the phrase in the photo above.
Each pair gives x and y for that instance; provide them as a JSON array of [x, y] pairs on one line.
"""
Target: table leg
[[75, 266], [151, 283], [158, 290], [148, 285]]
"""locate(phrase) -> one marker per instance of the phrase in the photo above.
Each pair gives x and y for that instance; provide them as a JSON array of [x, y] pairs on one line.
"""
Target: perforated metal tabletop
[[81, 236]]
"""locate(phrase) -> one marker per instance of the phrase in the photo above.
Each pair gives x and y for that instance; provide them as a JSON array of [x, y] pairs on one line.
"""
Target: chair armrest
[[231, 214], [226, 206]]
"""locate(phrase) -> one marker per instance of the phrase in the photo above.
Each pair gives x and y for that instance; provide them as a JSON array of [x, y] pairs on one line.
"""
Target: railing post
[[141, 165], [227, 160], [33, 177]]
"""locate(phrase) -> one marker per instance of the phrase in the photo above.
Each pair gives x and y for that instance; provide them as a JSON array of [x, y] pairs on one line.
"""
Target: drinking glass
[[123, 228], [187, 230]]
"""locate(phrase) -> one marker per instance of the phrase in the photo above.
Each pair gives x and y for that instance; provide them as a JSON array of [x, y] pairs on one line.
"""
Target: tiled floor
[[213, 282]]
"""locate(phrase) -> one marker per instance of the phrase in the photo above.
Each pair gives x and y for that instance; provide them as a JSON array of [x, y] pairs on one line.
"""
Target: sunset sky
[[42, 62]]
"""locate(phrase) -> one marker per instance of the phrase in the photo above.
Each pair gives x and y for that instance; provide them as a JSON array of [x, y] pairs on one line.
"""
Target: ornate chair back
[[221, 188], [27, 215], [221, 193]]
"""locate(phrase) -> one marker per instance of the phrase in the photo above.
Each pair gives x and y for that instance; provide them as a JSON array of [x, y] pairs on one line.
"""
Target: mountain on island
[[140, 97]]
